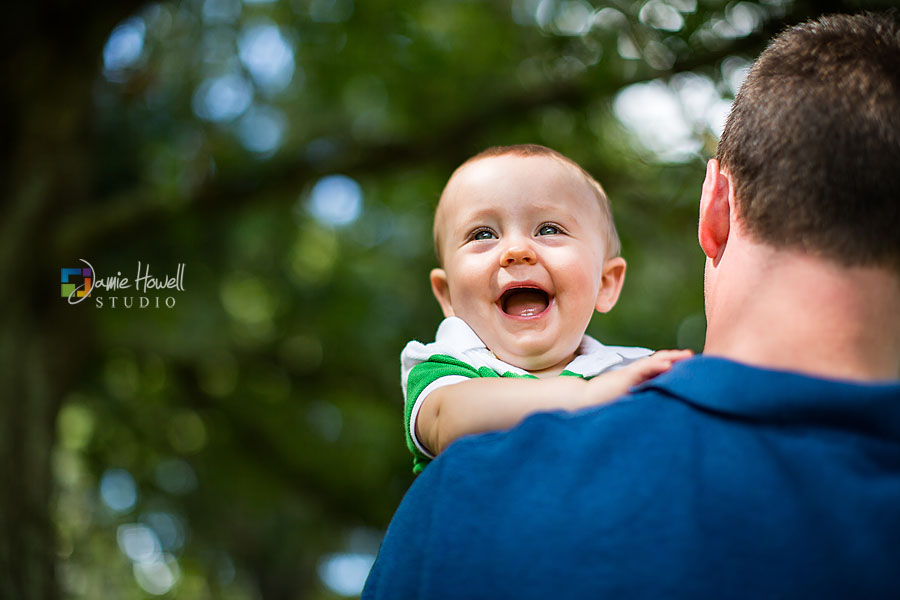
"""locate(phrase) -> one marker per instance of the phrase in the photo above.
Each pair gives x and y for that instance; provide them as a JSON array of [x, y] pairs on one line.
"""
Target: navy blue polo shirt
[[715, 480]]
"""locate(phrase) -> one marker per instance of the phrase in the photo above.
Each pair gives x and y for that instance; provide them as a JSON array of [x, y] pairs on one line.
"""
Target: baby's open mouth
[[524, 301]]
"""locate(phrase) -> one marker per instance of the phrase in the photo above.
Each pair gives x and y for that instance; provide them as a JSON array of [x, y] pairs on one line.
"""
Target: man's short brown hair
[[613, 245], [813, 140]]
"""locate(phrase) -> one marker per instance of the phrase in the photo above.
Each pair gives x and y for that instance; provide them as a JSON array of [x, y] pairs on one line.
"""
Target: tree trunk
[[52, 56]]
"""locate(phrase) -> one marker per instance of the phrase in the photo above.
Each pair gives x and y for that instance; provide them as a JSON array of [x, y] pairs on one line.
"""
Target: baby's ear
[[610, 284], [441, 290]]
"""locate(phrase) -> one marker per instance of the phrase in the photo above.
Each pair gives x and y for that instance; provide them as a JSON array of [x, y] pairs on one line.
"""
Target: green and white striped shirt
[[458, 354]]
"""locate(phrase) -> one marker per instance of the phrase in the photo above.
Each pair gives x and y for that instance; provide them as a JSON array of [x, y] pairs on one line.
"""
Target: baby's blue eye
[[548, 230], [483, 234]]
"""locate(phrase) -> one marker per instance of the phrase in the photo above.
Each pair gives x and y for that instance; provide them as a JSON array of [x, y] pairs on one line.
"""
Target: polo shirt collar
[[455, 332], [781, 397], [592, 358]]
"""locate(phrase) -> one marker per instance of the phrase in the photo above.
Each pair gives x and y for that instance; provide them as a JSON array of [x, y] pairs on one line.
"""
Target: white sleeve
[[440, 382]]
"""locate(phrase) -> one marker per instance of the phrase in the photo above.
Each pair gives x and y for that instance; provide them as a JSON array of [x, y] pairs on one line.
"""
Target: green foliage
[[260, 418]]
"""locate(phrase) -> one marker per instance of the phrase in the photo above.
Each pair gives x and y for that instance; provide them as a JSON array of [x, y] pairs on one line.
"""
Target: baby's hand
[[612, 384]]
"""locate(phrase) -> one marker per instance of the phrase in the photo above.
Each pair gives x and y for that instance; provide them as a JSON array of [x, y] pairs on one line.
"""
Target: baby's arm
[[489, 404]]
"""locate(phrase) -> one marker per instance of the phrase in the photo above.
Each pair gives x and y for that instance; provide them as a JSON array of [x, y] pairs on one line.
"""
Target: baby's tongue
[[526, 303]]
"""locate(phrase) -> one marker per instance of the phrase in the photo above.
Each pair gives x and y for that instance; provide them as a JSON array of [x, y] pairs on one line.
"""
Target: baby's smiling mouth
[[524, 301]]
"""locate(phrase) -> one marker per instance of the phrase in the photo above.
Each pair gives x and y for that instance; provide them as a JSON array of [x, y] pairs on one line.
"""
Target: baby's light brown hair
[[613, 245]]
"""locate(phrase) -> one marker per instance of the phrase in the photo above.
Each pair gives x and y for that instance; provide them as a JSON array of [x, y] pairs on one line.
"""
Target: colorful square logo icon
[[76, 281]]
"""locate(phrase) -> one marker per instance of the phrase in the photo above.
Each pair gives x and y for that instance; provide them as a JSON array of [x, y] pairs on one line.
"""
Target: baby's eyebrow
[[481, 214], [469, 220], [546, 208]]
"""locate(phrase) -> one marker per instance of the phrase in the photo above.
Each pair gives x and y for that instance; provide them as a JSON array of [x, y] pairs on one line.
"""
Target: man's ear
[[441, 290], [715, 211], [610, 284]]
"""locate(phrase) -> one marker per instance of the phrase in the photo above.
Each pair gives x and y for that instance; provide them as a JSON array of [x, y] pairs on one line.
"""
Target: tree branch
[[129, 211]]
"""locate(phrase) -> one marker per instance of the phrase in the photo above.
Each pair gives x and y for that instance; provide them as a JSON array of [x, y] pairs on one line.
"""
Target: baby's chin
[[550, 362]]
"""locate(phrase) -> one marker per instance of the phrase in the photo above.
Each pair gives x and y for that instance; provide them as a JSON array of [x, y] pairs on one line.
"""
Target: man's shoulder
[[559, 448], [700, 397], [689, 483]]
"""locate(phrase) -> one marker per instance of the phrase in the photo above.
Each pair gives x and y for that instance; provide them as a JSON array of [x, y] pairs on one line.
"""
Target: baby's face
[[523, 257]]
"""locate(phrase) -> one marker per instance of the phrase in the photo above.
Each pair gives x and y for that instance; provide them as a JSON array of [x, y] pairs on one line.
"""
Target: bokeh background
[[247, 442]]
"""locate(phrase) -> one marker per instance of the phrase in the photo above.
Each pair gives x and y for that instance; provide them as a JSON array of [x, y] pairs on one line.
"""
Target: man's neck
[[794, 312]]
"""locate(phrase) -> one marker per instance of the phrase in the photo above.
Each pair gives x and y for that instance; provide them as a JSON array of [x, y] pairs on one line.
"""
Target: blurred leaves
[[290, 153]]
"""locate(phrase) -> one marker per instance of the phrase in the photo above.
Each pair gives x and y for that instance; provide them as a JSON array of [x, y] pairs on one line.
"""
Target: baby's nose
[[518, 253]]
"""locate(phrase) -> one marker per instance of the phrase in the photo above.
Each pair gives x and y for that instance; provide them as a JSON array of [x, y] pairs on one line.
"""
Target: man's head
[[528, 252], [800, 214], [812, 143]]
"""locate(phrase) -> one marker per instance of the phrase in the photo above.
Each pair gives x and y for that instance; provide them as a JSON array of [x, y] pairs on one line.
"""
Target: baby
[[528, 251]]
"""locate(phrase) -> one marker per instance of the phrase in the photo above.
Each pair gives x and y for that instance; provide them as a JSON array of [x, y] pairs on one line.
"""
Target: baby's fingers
[[672, 356], [657, 363]]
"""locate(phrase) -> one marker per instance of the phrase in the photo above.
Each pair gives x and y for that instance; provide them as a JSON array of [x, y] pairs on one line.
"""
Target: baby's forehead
[[483, 170], [475, 179], [473, 185]]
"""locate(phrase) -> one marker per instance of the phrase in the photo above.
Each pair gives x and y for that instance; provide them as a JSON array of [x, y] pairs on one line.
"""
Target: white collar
[[592, 357]]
